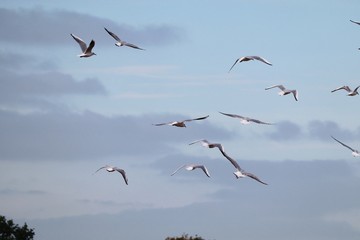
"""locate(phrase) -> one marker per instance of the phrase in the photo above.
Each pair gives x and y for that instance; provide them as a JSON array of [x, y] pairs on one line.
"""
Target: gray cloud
[[8, 191], [67, 135], [40, 27], [323, 129], [285, 130]]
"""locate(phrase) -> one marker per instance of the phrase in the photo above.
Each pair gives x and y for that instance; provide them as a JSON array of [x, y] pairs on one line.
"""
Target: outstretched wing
[[100, 169], [232, 161], [203, 142], [261, 60], [258, 121], [80, 42], [254, 177], [296, 94], [113, 35], [132, 45], [178, 169], [91, 45], [274, 86], [346, 88], [194, 119], [358, 23], [344, 144], [123, 173], [232, 115], [204, 169], [237, 60]]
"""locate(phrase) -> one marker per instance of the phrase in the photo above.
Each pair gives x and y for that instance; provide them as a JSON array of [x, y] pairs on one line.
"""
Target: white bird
[[350, 92], [113, 169], [358, 23], [245, 120], [180, 123], [191, 167], [86, 51], [355, 152], [285, 91], [249, 58], [206, 143], [120, 43], [241, 173]]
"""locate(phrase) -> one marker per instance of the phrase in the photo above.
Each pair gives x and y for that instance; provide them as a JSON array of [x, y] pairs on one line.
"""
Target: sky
[[63, 117]]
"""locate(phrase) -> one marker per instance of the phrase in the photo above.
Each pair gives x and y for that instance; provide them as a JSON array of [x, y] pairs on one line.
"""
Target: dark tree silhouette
[[11, 231], [185, 237]]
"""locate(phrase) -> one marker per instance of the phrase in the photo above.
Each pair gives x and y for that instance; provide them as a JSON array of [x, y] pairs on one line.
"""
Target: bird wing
[[274, 86], [113, 35], [123, 173], [342, 87], [100, 169], [132, 45], [232, 161], [237, 60], [80, 42], [204, 169], [232, 115], [178, 169], [344, 144], [296, 94], [355, 22], [201, 140], [261, 60], [355, 90], [194, 119], [91, 45], [161, 124], [258, 121], [254, 177]]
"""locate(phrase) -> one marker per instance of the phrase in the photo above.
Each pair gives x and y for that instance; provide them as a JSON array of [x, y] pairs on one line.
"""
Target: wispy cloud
[[41, 27]]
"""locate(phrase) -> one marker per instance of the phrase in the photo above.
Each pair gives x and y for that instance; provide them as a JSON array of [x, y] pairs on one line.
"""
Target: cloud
[[39, 27], [8, 192], [285, 130], [88, 135], [323, 129]]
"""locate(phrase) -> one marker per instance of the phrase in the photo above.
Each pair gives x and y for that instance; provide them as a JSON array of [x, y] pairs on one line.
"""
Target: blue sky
[[62, 117]]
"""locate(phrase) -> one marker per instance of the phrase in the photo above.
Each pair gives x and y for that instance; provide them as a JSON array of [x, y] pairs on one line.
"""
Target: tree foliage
[[11, 231], [185, 237]]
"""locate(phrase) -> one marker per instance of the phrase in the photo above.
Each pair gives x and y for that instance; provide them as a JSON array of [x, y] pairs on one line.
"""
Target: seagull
[[86, 51], [355, 152], [358, 23], [245, 120], [112, 169], [241, 173], [191, 167], [248, 58], [285, 91], [180, 123], [346, 88], [120, 43], [206, 143]]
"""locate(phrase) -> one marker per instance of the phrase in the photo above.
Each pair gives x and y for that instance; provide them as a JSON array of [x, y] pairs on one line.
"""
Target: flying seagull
[[358, 23], [86, 51], [241, 173], [285, 91], [191, 167], [249, 58], [120, 43], [112, 169], [180, 123], [245, 120], [355, 152], [206, 143], [350, 92]]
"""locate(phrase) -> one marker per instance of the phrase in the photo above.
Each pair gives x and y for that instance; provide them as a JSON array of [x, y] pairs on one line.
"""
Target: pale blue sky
[[62, 117]]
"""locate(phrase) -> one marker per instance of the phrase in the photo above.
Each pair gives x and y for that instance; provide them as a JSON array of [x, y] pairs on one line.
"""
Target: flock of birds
[[239, 172]]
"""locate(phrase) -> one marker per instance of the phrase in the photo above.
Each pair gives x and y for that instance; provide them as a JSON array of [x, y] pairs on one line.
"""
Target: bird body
[[348, 89], [245, 120], [191, 167], [181, 123], [250, 58], [285, 91], [354, 152], [121, 43], [86, 50], [113, 169]]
